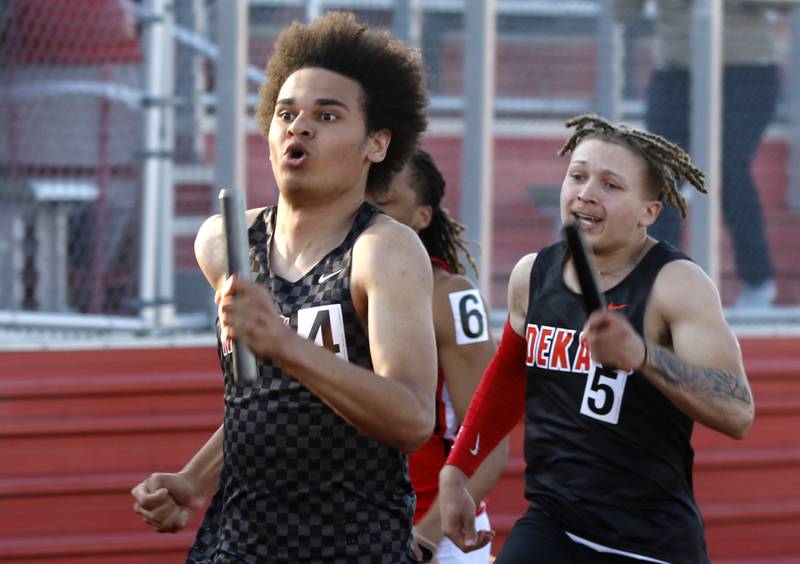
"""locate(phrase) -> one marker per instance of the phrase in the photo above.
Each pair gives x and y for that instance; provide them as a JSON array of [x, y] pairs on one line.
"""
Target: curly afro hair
[[390, 74]]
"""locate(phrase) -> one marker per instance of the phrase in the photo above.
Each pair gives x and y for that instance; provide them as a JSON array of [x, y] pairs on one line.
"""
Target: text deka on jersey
[[550, 348]]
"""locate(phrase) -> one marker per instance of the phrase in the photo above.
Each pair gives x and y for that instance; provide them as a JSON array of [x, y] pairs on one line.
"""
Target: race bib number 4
[[324, 325], [602, 397], [472, 325]]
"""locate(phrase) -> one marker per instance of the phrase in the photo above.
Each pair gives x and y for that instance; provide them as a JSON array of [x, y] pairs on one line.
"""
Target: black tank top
[[299, 483], [608, 455]]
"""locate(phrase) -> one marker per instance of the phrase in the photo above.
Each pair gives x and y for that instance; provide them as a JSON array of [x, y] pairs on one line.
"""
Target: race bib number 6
[[602, 397], [472, 325]]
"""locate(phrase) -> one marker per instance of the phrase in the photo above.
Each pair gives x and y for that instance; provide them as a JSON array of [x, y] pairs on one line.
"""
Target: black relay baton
[[231, 205], [584, 268]]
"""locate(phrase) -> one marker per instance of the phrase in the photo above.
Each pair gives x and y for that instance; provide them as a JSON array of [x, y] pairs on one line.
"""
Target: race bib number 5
[[472, 325], [602, 397]]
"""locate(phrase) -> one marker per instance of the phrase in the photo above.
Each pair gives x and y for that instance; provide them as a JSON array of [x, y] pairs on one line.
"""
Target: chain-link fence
[[70, 104], [109, 129]]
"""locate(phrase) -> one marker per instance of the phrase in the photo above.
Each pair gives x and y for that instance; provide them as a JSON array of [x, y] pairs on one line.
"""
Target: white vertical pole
[[154, 76], [706, 131], [313, 10], [230, 146], [17, 261], [793, 90], [166, 197], [478, 139], [407, 22], [608, 84]]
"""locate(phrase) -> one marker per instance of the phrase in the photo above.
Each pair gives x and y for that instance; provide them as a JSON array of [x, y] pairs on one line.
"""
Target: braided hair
[[442, 237], [667, 163]]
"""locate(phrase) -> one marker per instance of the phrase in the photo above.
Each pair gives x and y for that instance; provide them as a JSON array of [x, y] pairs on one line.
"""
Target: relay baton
[[584, 267], [231, 204]]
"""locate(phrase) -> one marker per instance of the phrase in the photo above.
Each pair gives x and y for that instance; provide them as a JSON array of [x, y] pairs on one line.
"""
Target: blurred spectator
[[750, 93]]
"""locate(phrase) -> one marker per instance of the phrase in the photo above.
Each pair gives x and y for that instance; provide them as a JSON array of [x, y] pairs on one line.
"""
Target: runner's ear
[[378, 144]]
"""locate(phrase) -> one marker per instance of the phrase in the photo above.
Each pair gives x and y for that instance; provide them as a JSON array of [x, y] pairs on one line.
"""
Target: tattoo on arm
[[679, 374]]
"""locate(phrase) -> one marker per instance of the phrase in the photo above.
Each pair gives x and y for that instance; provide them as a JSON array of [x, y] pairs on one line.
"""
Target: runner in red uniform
[[464, 344]]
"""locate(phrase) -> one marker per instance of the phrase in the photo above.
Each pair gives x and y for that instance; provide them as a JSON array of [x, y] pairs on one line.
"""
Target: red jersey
[[426, 462]]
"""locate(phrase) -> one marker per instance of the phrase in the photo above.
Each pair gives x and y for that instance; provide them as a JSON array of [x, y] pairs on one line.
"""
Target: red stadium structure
[[78, 429]]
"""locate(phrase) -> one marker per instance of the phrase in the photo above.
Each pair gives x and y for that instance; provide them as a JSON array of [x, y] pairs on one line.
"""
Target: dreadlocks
[[442, 237], [668, 164]]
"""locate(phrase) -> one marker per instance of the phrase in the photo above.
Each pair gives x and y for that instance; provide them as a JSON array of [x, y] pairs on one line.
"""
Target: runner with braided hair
[[609, 399], [442, 237], [667, 163], [464, 345]]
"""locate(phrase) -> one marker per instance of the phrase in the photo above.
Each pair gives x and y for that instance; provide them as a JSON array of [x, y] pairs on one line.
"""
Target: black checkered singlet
[[299, 484]]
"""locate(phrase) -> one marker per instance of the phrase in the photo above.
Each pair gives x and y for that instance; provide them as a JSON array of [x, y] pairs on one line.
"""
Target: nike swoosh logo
[[474, 450], [328, 275], [615, 307]]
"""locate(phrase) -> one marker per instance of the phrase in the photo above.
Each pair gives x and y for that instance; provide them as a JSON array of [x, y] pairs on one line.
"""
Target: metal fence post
[[407, 22], [793, 89], [706, 131], [478, 139], [229, 165], [155, 37], [608, 84]]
